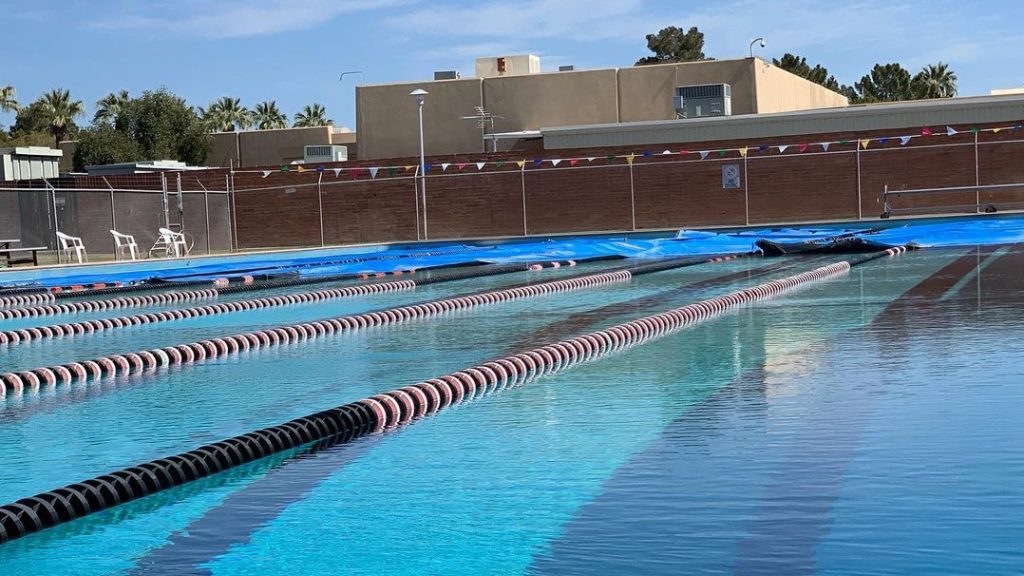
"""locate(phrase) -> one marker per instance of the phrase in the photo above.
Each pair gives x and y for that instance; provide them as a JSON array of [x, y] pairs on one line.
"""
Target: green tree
[[798, 65], [268, 117], [672, 44], [885, 83], [8, 102], [108, 108], [155, 126], [227, 115], [312, 115], [934, 81], [59, 112], [104, 144]]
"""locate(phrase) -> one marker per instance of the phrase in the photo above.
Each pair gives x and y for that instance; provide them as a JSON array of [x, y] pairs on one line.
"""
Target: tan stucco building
[[387, 123], [274, 147]]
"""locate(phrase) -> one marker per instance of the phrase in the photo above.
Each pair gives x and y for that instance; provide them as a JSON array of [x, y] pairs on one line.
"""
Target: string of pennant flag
[[744, 151]]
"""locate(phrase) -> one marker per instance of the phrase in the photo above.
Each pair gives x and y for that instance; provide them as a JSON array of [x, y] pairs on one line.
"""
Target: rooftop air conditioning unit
[[325, 153], [703, 101], [447, 75]]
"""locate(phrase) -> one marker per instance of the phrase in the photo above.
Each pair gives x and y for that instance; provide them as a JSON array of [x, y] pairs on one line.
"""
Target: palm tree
[[935, 81], [111, 106], [226, 115], [60, 111], [268, 117], [312, 115], [7, 100]]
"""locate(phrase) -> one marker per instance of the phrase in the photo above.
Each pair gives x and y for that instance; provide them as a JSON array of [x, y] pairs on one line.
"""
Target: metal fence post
[[320, 206], [632, 195], [522, 181]]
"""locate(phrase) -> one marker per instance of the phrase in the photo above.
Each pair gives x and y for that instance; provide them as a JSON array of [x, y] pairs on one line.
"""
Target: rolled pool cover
[[381, 411]]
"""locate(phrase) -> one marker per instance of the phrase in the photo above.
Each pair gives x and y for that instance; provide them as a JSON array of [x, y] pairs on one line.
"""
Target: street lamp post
[[421, 95], [755, 41]]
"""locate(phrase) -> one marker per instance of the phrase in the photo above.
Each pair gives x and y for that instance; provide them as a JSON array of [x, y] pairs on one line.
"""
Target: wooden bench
[[21, 255]]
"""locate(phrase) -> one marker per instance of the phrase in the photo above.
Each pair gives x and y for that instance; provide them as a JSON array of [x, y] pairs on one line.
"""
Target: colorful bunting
[[499, 163], [782, 148], [950, 131], [703, 154], [865, 142], [743, 151], [267, 173], [320, 169], [630, 158], [373, 172], [284, 168], [610, 158], [480, 166], [444, 166], [556, 161], [426, 168], [407, 168], [666, 153], [336, 171], [802, 147], [646, 153], [825, 145], [391, 170], [521, 163], [904, 140], [591, 159], [883, 140], [722, 153], [300, 169], [926, 131], [460, 166], [996, 130], [573, 161], [762, 148], [538, 162]]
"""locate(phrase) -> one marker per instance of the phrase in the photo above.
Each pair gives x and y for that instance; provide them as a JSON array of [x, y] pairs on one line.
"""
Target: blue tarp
[[978, 230]]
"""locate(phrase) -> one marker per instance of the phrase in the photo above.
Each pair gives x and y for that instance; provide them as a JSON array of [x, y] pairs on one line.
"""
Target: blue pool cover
[[969, 231]]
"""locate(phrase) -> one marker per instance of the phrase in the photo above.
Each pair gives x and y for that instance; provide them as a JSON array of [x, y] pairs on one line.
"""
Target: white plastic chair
[[124, 245], [175, 242], [69, 244]]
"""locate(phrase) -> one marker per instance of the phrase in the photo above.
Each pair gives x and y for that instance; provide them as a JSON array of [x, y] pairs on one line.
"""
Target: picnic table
[[20, 254]]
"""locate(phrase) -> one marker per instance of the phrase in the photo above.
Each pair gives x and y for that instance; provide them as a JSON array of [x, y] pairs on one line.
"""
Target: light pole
[[420, 95], [755, 41]]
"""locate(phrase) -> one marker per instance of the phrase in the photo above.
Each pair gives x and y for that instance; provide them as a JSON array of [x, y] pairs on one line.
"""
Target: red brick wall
[[666, 191]]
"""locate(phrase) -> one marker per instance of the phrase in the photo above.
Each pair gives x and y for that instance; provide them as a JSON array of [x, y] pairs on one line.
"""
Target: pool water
[[861, 425]]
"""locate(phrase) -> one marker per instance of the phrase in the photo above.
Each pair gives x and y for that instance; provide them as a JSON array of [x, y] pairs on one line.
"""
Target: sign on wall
[[730, 176]]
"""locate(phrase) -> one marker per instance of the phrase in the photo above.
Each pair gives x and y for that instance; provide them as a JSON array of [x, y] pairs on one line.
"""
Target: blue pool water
[[862, 425]]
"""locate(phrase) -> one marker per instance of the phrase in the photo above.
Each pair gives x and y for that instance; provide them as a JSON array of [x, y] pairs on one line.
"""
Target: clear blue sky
[[294, 50]]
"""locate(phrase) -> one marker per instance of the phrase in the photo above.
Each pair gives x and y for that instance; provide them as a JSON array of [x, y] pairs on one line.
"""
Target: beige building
[[524, 102], [275, 147]]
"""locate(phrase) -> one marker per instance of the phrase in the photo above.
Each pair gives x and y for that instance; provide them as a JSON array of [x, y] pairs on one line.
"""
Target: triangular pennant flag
[[950, 131], [521, 163], [646, 154], [499, 163], [538, 162], [445, 165], [743, 151], [480, 165], [844, 142], [630, 158], [357, 171], [883, 140], [407, 168], [762, 148], [284, 168], [556, 161], [573, 161], [373, 172], [666, 152], [996, 130], [610, 158], [591, 159], [320, 169], [864, 143], [300, 169], [704, 154], [904, 140], [722, 152], [782, 148], [926, 131], [825, 145], [460, 166], [391, 170], [974, 129], [267, 173], [426, 168], [802, 147], [336, 171]]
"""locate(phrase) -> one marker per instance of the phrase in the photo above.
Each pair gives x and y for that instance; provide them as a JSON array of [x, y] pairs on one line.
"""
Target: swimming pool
[[861, 424]]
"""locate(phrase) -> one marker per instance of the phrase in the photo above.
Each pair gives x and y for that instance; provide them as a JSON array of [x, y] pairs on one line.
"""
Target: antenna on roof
[[484, 120]]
